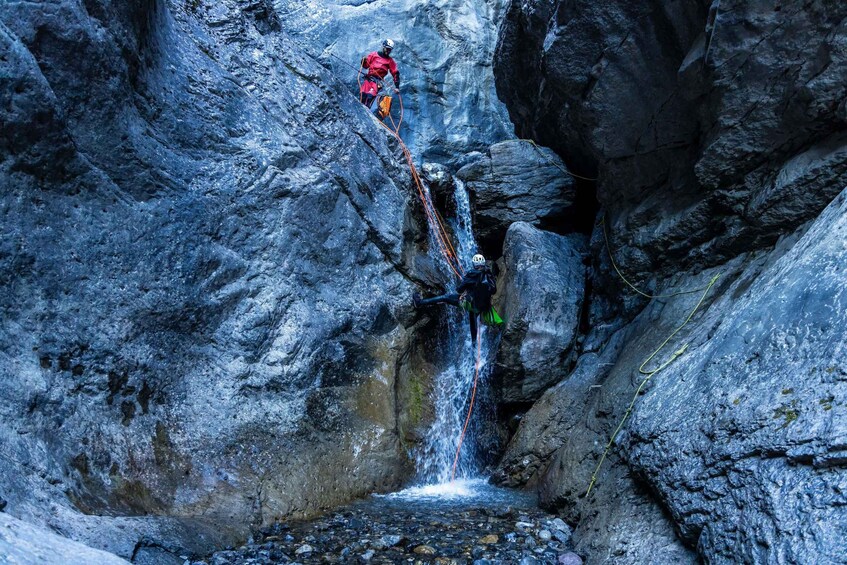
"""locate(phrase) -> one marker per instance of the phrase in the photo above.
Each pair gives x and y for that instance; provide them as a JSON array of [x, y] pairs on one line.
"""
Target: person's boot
[[416, 300]]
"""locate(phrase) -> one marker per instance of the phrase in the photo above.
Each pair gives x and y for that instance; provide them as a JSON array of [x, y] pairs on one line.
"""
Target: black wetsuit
[[478, 286]]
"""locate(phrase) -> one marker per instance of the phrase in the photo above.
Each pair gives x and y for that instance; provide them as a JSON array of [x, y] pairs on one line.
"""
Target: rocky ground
[[397, 529]]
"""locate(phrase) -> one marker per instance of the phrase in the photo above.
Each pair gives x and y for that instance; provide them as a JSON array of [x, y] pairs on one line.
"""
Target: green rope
[[632, 286], [648, 374]]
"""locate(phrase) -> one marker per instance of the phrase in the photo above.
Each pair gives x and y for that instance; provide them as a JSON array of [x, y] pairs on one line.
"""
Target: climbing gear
[[388, 44], [478, 260], [489, 317], [648, 373], [383, 107]]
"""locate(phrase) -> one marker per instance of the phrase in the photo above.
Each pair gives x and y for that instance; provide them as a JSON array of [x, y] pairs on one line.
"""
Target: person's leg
[[367, 99], [474, 325], [451, 298]]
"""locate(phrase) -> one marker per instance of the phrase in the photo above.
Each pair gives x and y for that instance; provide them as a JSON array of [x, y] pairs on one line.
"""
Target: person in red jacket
[[377, 65]]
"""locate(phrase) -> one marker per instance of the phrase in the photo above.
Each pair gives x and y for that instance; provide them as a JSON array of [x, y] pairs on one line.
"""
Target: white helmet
[[478, 260], [388, 44]]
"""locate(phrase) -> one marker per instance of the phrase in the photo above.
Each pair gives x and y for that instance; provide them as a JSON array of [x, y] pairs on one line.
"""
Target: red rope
[[447, 251]]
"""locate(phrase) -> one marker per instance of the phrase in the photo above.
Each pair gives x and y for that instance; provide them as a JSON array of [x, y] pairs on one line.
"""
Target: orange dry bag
[[384, 107]]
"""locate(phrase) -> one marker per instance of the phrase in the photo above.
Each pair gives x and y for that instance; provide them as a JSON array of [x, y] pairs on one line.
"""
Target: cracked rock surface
[[716, 130], [204, 284]]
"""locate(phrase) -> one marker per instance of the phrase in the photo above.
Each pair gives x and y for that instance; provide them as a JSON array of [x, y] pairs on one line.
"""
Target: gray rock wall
[[444, 52], [716, 131], [714, 128], [205, 269]]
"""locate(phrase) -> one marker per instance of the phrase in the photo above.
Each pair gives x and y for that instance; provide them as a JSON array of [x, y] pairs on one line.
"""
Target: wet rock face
[[443, 49], [717, 132], [544, 285], [725, 120], [518, 182], [24, 543], [177, 327], [770, 471]]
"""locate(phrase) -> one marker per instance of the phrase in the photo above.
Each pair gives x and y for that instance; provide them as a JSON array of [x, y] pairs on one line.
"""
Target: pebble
[[559, 524], [381, 532], [562, 536], [305, 548], [390, 541], [570, 558]]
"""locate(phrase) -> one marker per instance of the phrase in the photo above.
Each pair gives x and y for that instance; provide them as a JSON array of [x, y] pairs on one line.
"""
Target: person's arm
[[395, 72], [366, 62], [466, 284], [491, 282]]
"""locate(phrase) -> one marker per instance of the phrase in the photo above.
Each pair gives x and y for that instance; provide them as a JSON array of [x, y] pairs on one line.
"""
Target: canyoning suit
[[474, 295], [377, 65]]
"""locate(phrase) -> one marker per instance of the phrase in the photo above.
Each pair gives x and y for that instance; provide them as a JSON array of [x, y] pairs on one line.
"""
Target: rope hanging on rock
[[648, 374], [548, 159]]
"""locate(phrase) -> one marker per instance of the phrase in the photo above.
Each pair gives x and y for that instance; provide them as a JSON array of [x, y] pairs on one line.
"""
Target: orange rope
[[441, 237], [473, 397], [447, 251]]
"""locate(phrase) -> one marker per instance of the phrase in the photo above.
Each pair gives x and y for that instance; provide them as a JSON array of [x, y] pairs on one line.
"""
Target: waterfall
[[452, 390]]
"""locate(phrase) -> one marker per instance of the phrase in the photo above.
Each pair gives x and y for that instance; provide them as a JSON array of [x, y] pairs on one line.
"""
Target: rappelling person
[[377, 65], [473, 294]]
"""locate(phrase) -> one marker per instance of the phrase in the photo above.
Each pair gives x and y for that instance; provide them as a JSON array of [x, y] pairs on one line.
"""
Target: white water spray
[[452, 391]]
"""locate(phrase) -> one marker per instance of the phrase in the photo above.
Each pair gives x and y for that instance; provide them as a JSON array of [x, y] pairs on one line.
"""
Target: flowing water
[[453, 387], [438, 520]]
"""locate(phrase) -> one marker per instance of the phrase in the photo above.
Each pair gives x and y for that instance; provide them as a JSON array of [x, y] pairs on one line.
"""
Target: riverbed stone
[[570, 558]]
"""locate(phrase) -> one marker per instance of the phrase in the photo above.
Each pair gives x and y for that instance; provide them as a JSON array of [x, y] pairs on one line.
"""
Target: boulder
[[541, 301], [517, 181]]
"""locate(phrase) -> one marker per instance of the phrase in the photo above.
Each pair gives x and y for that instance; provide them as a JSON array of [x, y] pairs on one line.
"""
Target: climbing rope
[[648, 374], [443, 241], [632, 286], [442, 238], [548, 159], [473, 397]]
